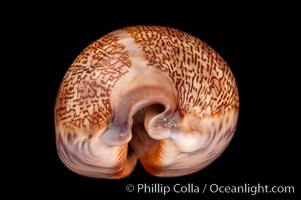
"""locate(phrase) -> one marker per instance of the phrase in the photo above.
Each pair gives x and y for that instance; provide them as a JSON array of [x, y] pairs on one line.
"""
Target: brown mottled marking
[[216, 69], [83, 98]]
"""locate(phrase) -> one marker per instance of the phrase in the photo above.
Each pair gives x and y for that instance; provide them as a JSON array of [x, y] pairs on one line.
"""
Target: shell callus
[[151, 93]]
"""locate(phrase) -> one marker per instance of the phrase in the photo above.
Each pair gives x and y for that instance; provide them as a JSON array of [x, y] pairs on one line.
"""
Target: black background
[[257, 43]]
